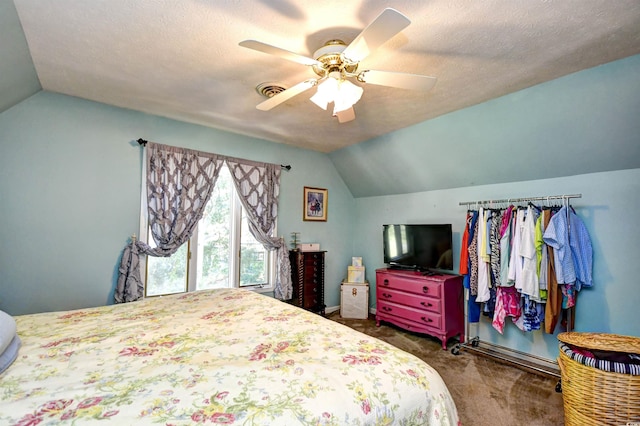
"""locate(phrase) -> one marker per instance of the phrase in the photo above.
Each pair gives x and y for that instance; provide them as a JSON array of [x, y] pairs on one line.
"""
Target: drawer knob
[[385, 282], [426, 319], [387, 309], [425, 289], [426, 304]]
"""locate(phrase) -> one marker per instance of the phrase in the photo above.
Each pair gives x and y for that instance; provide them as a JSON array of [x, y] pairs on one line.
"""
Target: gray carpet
[[486, 392]]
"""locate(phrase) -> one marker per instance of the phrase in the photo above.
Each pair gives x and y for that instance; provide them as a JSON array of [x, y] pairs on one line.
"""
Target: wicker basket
[[597, 397]]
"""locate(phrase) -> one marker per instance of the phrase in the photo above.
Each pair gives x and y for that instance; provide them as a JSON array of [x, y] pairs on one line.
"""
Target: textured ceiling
[[181, 59]]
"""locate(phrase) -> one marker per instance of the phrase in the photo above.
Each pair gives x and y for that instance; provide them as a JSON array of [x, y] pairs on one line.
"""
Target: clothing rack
[[523, 360], [144, 142], [521, 200]]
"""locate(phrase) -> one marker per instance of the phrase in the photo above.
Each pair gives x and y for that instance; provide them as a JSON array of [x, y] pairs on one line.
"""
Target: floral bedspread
[[218, 357]]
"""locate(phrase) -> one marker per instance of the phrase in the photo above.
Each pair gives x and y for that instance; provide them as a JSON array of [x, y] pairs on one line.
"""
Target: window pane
[[253, 257], [224, 253], [167, 275], [214, 236]]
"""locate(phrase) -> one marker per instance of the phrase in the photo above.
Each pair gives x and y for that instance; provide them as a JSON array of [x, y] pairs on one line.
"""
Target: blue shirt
[[572, 248]]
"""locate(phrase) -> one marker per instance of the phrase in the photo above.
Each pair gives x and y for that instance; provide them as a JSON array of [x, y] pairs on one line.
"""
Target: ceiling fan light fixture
[[343, 93], [325, 93], [348, 95], [336, 62]]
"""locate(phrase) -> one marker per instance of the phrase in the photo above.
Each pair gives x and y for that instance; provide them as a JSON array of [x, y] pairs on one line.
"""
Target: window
[[221, 252]]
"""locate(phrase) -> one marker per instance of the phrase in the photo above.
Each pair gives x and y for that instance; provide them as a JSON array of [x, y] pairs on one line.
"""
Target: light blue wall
[[594, 113], [585, 122], [609, 205], [70, 197], [18, 79]]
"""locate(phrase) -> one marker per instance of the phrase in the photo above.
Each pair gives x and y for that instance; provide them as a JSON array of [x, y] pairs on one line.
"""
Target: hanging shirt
[[496, 221], [483, 240], [483, 267], [529, 279], [506, 220], [472, 273], [541, 254], [532, 314], [515, 261], [539, 243], [553, 308], [508, 303], [568, 296], [505, 247], [464, 249], [487, 241], [473, 254], [572, 249]]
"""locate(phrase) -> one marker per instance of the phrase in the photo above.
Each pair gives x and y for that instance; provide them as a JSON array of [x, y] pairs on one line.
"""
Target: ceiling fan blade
[[284, 96], [389, 23], [346, 115], [272, 50], [398, 79]]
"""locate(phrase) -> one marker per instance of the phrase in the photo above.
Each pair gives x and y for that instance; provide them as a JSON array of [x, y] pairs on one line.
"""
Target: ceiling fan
[[335, 63]]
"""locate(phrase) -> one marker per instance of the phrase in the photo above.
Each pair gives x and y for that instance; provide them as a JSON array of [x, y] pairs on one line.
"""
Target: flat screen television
[[421, 247]]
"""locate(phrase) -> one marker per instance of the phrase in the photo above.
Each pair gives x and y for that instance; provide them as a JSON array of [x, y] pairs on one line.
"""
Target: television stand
[[429, 304]]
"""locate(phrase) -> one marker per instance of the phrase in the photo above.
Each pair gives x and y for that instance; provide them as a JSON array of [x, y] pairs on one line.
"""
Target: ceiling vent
[[269, 90]]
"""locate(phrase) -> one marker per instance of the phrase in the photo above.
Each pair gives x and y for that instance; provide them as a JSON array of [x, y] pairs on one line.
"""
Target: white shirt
[[529, 279]]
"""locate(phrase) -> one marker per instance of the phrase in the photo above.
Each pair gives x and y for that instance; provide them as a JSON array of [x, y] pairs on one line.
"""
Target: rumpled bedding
[[224, 356]]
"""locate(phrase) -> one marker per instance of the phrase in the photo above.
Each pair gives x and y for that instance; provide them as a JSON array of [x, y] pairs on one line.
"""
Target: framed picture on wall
[[315, 204]]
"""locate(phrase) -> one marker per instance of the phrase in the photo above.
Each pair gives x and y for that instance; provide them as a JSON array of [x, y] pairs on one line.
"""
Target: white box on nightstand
[[354, 300]]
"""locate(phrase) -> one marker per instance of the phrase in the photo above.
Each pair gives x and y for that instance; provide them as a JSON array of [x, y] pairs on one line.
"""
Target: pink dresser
[[430, 304]]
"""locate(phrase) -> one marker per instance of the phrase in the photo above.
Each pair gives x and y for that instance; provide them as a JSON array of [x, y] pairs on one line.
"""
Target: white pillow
[[10, 354], [7, 330]]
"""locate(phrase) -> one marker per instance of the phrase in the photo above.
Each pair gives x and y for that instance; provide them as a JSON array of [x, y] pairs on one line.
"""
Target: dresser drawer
[[421, 302], [416, 315], [313, 259], [418, 286], [312, 273], [311, 292]]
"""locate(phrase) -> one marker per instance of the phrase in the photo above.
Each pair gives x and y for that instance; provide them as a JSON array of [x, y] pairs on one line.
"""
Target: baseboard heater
[[523, 360]]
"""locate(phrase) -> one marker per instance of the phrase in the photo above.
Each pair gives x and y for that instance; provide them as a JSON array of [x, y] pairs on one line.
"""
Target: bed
[[224, 356]]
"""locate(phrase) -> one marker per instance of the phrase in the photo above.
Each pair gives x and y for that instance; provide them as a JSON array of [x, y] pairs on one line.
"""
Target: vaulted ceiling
[[182, 60]]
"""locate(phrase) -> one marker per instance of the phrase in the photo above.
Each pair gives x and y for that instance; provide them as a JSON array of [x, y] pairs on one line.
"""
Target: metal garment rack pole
[[522, 359], [521, 200]]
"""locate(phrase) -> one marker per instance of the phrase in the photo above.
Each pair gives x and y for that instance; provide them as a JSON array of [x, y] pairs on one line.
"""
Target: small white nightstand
[[354, 300]]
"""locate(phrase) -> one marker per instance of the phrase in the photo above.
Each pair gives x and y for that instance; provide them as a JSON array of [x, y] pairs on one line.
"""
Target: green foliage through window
[[216, 251]]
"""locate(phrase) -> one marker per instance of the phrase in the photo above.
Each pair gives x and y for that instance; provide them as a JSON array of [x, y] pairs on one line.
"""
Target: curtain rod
[[518, 200], [143, 143]]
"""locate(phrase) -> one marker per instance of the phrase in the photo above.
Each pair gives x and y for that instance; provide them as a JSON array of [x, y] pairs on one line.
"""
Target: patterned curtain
[[258, 185], [179, 185]]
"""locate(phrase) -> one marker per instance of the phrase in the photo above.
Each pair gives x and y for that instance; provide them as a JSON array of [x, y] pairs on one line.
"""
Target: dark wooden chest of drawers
[[307, 276]]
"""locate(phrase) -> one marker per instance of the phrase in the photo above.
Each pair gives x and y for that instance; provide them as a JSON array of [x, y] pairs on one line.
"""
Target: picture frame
[[314, 204]]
